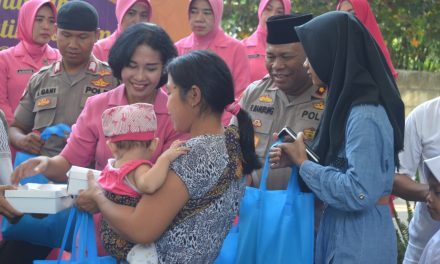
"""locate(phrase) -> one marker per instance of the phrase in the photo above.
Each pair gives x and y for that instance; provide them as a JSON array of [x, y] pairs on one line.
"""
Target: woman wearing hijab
[[204, 18], [362, 10], [128, 12], [36, 25], [256, 43], [356, 170]]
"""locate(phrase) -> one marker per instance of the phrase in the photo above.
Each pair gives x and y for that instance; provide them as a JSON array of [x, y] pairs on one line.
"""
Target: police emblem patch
[[257, 123], [319, 106], [43, 101], [100, 82], [265, 99]]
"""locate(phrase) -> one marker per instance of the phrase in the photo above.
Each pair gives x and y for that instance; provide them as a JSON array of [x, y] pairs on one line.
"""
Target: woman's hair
[[210, 73], [141, 34], [130, 144]]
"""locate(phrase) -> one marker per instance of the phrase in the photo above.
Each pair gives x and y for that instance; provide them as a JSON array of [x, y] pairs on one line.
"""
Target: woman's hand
[[29, 168], [6, 209], [286, 154], [87, 199]]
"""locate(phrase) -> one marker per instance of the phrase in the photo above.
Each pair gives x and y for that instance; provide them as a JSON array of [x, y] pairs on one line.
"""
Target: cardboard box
[[39, 198], [78, 179]]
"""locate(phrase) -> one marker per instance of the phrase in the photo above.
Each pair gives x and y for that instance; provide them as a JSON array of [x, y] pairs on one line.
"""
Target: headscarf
[[122, 6], [347, 59], [26, 19], [263, 3], [204, 42], [364, 13]]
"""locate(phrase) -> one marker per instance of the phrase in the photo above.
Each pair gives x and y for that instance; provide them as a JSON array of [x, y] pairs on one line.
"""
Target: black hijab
[[347, 59]]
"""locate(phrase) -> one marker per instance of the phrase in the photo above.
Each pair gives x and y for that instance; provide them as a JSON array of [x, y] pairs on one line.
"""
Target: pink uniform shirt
[[102, 48], [18, 63], [87, 142], [228, 48], [256, 43]]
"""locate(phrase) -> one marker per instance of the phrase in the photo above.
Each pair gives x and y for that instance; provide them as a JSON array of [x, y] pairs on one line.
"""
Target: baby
[[431, 253], [130, 130]]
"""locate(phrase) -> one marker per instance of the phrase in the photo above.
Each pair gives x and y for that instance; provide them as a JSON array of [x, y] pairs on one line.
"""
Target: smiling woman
[[36, 25]]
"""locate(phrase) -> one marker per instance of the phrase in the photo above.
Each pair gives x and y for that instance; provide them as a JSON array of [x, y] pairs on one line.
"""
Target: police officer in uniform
[[285, 97], [57, 93]]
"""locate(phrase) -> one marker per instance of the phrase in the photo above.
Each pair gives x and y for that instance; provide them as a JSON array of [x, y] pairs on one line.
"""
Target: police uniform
[[271, 110], [52, 97]]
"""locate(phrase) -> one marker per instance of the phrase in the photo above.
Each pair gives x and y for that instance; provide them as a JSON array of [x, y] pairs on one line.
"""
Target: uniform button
[[361, 196]]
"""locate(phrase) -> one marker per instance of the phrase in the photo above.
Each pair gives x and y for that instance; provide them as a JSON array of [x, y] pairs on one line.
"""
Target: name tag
[[253, 56], [25, 71], [47, 91]]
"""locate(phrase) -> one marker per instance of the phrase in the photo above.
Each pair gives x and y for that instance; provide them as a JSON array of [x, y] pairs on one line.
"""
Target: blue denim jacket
[[354, 228]]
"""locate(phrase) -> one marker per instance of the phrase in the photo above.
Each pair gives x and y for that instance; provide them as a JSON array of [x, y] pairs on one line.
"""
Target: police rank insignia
[[100, 82], [265, 99], [43, 101], [321, 90], [319, 106]]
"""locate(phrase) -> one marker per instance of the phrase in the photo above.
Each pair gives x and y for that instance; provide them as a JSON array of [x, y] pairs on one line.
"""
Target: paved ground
[[400, 206]]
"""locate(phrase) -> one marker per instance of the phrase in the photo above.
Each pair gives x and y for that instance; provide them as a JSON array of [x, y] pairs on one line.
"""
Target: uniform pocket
[[44, 111]]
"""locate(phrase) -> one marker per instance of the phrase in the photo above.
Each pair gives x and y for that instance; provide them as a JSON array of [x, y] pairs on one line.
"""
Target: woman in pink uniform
[[256, 43], [205, 17], [128, 12], [362, 10], [36, 25], [138, 59]]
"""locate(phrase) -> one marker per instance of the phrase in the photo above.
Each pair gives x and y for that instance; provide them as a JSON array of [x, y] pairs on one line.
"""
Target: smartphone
[[287, 131]]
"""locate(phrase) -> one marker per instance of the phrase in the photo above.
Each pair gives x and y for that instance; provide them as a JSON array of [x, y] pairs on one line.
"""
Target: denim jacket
[[354, 228]]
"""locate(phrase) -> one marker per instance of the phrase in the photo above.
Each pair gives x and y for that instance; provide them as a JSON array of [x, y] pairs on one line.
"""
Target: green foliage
[[410, 28]]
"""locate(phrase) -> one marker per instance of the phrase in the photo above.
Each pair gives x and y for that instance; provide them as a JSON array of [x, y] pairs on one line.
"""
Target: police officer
[[285, 97], [57, 93]]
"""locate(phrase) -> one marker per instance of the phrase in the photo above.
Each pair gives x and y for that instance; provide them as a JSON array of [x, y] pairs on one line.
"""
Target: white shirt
[[422, 141], [431, 253]]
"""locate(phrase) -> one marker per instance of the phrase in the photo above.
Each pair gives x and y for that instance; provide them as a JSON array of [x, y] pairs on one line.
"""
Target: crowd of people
[[178, 130]]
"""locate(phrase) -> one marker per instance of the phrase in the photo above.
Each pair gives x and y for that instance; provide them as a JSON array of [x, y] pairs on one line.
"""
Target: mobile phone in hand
[[287, 131]]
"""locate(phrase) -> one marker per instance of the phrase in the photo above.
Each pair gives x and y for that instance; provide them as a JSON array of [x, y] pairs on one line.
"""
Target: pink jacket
[[256, 43], [102, 48], [18, 63], [87, 142]]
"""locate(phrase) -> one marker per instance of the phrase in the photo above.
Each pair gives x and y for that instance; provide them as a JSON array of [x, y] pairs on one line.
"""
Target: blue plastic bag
[[276, 226], [228, 251], [46, 231], [60, 130], [84, 234]]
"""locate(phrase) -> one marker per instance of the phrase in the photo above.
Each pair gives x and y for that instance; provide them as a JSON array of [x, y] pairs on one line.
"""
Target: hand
[[175, 151], [31, 143], [86, 200], [29, 168], [6, 209], [283, 155]]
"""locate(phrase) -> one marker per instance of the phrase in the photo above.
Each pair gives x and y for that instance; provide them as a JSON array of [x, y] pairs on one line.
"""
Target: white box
[[39, 198], [78, 179]]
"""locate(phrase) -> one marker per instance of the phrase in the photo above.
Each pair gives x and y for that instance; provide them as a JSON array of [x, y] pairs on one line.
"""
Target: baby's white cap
[[433, 165]]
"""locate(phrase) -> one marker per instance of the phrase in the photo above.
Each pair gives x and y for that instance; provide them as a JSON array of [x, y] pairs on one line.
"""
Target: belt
[[383, 200]]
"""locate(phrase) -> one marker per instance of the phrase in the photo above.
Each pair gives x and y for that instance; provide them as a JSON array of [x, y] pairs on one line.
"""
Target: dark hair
[[210, 73], [142, 33]]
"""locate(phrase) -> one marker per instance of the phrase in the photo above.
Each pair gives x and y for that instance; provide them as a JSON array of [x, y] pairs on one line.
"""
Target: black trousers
[[21, 252]]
